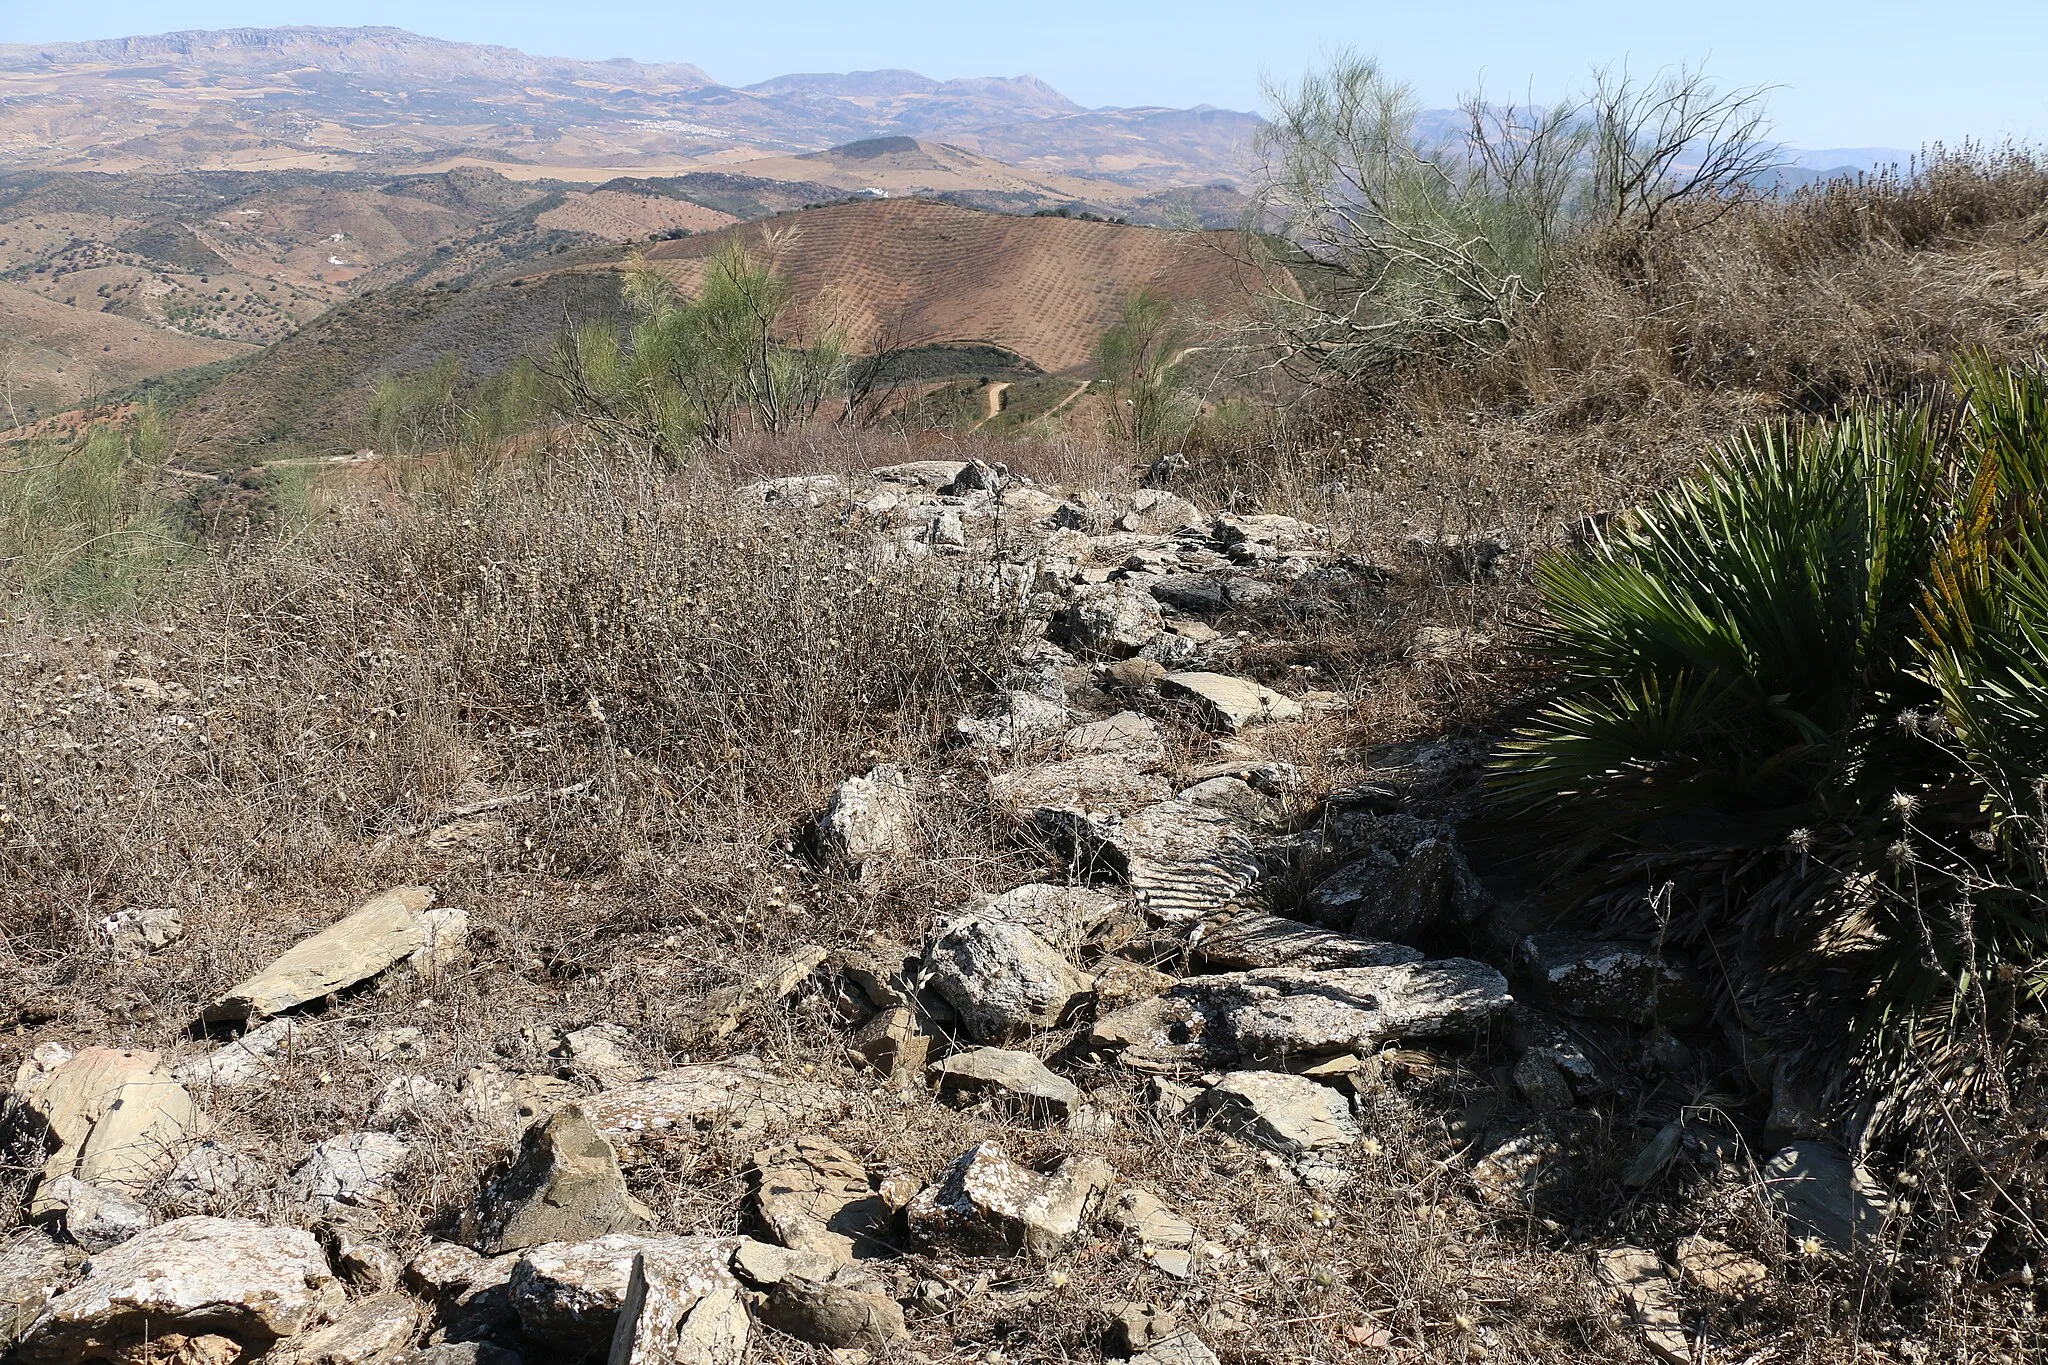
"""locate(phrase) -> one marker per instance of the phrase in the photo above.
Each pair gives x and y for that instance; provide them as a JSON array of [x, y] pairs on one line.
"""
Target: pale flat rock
[[96, 1219], [1718, 1268], [985, 1204], [370, 1331], [1639, 1281], [1093, 786], [1064, 916], [814, 1196], [868, 817], [1005, 981], [1182, 1348], [1229, 704], [1126, 733], [1824, 1195], [932, 474], [674, 1311], [1146, 1217], [109, 1117], [191, 1276], [563, 1185], [1607, 979], [350, 1168], [1016, 1076], [378, 935], [739, 1097], [568, 1294], [1250, 941], [1290, 1114], [264, 1055]]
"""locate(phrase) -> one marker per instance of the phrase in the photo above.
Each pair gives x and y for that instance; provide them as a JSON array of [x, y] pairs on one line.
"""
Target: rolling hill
[[53, 356]]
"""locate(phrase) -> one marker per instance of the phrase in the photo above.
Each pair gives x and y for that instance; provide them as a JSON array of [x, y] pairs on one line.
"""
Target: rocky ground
[[1250, 1057]]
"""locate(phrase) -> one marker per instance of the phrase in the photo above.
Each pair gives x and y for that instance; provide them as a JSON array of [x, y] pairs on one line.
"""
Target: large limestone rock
[[819, 1299], [370, 1331], [191, 1277], [814, 1196], [1250, 941], [568, 1296], [350, 1169], [33, 1266], [1016, 1076], [1064, 916], [739, 1097], [1113, 619], [563, 1186], [1005, 981], [868, 817], [1290, 1114], [378, 935], [1292, 1019], [111, 1118], [984, 1204], [1229, 704]]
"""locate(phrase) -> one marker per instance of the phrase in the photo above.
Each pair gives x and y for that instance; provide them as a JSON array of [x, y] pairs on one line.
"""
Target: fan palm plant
[[1808, 688]]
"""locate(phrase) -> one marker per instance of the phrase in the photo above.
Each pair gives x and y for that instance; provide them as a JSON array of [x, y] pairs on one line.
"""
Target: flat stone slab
[[1251, 941], [1290, 1114], [570, 1294], [1229, 704], [378, 935], [1016, 1075], [740, 1097]]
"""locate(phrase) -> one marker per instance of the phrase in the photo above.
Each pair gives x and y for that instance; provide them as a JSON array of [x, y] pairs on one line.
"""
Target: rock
[[402, 1097], [846, 1307], [1075, 796], [563, 1186], [606, 1053], [1182, 1348], [1194, 593], [1719, 1269], [868, 817], [893, 1044], [514, 1102], [449, 1269], [1133, 1327], [739, 1097], [137, 933], [1005, 981], [568, 1296], [206, 1177], [1824, 1195], [1112, 619], [108, 1117], [1135, 737], [1229, 704], [814, 1196], [1250, 941], [1143, 1215], [932, 474], [1134, 675], [445, 930], [1399, 892], [1181, 862], [1017, 1076], [1289, 1114], [1026, 720], [1298, 1019], [351, 1169], [1236, 798], [725, 1009], [34, 1266], [1066, 917], [264, 1055], [1638, 1281], [382, 932], [1120, 982], [1525, 1167], [1543, 1087], [370, 1331], [461, 1353], [95, 1219], [360, 1264], [1604, 979], [1283, 533], [190, 1276], [984, 1204]]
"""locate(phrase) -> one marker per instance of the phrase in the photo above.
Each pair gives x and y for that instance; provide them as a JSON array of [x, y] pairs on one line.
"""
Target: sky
[[1850, 73]]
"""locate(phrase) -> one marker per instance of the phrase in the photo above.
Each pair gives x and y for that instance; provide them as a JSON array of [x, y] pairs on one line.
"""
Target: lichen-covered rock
[[868, 817], [569, 1294], [739, 1097], [1015, 1076], [382, 932], [1064, 916], [265, 1055], [350, 1168], [96, 1219], [1113, 619], [563, 1186], [191, 1276], [111, 1118], [370, 1331], [1005, 981], [1290, 1114], [984, 1204], [813, 1195]]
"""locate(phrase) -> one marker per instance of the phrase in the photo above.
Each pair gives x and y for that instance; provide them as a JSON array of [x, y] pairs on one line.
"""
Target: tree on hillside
[[1140, 357], [1391, 240]]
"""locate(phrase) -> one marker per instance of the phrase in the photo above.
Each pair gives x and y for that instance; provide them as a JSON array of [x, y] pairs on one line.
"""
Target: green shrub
[[1805, 692]]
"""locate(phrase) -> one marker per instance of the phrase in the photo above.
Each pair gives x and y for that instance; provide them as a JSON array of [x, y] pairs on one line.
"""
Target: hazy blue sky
[[1854, 72]]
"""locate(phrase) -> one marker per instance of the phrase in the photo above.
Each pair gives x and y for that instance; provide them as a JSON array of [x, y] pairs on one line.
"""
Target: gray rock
[[1017, 1076], [1542, 1086], [34, 1266], [141, 931], [1236, 798], [1640, 1284], [1182, 1348], [893, 1043], [1194, 593], [739, 1098], [111, 1118], [404, 1097], [1026, 719], [984, 1204], [1141, 1214], [1398, 892], [1064, 916], [370, 1331], [1181, 862], [1250, 941], [814, 1196], [191, 1276], [568, 1295], [96, 1219], [1076, 799], [265, 1055], [1005, 981], [868, 817], [1605, 979], [563, 1186], [461, 1353], [350, 1169], [605, 1053], [1127, 733], [1112, 619], [378, 935], [1824, 1195], [1289, 1114], [845, 1308], [1229, 704], [206, 1177]]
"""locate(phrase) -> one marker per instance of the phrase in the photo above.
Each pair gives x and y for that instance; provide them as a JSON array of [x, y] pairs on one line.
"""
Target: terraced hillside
[[1043, 288]]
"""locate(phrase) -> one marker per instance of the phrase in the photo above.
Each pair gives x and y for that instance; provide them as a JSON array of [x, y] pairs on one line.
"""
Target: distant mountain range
[[385, 99]]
